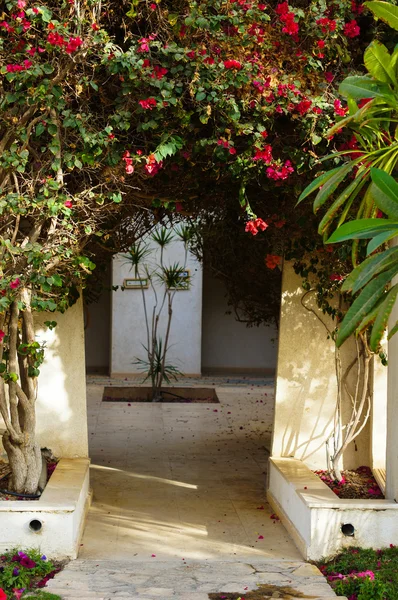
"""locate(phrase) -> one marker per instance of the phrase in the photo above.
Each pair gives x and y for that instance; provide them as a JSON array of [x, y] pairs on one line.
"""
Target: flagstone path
[[179, 507]]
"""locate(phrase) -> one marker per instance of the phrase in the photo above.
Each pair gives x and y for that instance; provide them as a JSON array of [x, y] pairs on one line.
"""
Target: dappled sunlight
[[187, 484]]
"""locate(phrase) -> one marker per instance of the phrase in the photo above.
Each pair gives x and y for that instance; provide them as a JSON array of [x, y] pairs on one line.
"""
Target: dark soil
[[264, 592], [4, 474], [359, 484]]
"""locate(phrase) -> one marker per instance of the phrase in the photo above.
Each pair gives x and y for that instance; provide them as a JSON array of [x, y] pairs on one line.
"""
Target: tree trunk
[[18, 406], [26, 463]]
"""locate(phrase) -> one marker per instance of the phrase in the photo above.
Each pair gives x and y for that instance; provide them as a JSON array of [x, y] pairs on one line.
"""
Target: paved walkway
[[179, 505]]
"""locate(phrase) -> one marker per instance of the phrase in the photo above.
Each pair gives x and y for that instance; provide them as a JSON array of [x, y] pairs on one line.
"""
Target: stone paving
[[179, 506]]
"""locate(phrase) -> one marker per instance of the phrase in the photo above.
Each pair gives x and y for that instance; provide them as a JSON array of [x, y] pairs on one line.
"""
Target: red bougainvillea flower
[[273, 260], [73, 44], [232, 64], [364, 101], [326, 24], [153, 166], [304, 106], [148, 104], [329, 76], [351, 29], [3, 595], [13, 285], [2, 334], [68, 203], [336, 277], [254, 225], [152, 6], [128, 162], [95, 27], [339, 109], [321, 44]]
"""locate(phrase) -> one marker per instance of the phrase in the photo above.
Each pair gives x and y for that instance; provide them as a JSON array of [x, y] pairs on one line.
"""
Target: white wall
[[61, 403], [128, 331], [306, 385], [229, 345]]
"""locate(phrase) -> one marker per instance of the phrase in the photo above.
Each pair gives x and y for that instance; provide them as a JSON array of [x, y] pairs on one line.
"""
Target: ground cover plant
[[25, 573], [361, 574]]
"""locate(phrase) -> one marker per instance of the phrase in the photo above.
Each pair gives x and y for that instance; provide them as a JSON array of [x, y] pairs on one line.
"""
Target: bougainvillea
[[111, 107]]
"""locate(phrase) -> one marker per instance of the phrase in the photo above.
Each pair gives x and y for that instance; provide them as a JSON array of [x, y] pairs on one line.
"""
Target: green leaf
[[330, 186], [376, 264], [385, 192], [358, 272], [378, 62], [384, 11], [354, 187], [362, 306], [381, 320], [318, 181], [358, 87], [200, 96], [362, 229], [393, 331], [378, 240]]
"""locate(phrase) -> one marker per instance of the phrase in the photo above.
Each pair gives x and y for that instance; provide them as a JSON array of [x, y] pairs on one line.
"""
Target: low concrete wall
[[314, 515], [61, 402], [60, 511]]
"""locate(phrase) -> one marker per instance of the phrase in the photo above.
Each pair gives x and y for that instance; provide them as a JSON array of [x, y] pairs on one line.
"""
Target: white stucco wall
[[306, 386], [61, 402], [128, 330], [227, 344]]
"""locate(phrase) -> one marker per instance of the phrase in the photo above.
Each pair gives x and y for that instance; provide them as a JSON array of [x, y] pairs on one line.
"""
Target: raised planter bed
[[320, 523], [54, 523]]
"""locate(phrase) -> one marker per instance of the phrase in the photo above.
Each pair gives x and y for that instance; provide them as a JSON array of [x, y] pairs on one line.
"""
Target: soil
[[264, 592], [359, 484], [4, 473], [170, 395]]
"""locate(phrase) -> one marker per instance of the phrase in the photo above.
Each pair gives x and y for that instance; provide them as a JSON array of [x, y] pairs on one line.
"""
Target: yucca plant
[[171, 279]]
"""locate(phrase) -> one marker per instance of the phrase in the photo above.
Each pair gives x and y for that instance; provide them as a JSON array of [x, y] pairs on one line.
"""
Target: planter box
[[54, 524], [320, 523]]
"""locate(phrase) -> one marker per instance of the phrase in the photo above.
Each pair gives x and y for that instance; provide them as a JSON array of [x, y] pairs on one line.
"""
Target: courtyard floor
[[179, 507]]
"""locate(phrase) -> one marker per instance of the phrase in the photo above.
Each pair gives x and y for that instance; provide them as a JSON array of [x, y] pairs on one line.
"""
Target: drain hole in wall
[[348, 529], [35, 525]]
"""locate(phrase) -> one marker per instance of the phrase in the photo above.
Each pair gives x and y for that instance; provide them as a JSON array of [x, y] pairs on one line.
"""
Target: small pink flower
[[329, 76], [15, 283], [68, 203], [129, 169]]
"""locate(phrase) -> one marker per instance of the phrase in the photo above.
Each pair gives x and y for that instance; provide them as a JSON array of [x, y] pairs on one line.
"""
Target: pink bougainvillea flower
[[260, 537], [336, 277], [18, 593], [152, 6], [2, 334], [95, 27], [3, 595], [351, 29], [15, 283], [153, 555], [129, 169], [329, 76], [68, 203], [339, 109], [147, 104]]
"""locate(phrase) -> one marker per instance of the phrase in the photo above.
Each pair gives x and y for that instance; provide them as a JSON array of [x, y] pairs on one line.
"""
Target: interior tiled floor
[[183, 481]]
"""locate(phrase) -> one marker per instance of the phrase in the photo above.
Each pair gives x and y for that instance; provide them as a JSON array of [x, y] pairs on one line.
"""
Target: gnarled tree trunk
[[18, 389]]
